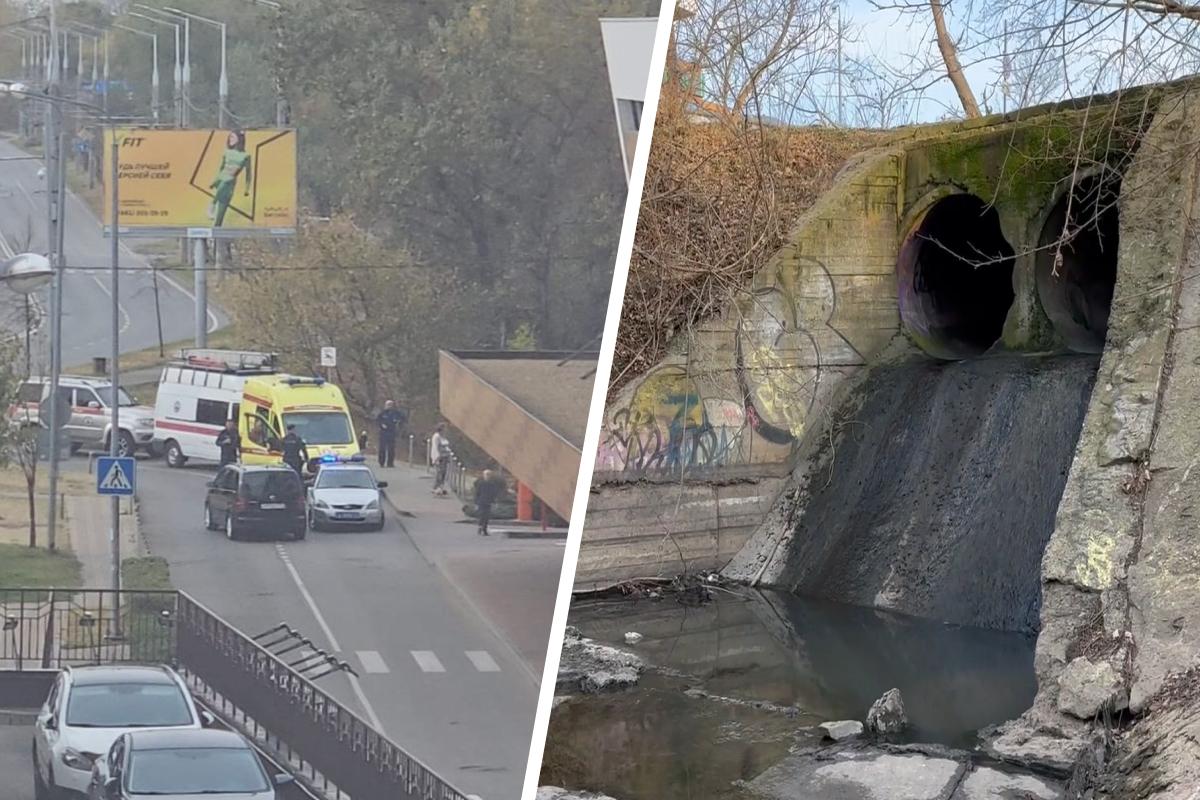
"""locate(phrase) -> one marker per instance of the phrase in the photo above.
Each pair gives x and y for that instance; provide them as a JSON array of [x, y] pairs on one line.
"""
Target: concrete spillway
[[937, 492]]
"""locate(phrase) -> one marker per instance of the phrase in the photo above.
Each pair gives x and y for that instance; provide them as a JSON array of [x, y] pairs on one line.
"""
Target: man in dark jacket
[[487, 489], [230, 442], [390, 420], [295, 451]]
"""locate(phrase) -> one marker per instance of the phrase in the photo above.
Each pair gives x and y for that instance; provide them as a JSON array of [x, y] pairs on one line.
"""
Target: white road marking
[[483, 661], [120, 308], [372, 661], [372, 717], [428, 661]]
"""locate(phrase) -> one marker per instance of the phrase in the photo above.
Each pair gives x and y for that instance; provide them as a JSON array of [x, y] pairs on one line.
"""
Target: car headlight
[[77, 760], [145, 422], [322, 504], [373, 505]]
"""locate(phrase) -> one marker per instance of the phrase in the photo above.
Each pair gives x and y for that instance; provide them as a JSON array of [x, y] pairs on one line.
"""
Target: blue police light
[[329, 459]]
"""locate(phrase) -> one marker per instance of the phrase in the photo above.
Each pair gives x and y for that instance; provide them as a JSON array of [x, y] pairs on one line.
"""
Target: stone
[[988, 783], [1085, 688], [633, 637], [841, 730], [558, 793], [887, 713], [588, 667], [858, 776]]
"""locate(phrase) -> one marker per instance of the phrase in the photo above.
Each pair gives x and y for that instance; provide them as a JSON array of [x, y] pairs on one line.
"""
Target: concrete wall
[[740, 391]]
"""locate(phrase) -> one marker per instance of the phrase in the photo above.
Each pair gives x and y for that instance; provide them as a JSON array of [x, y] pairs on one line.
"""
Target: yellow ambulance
[[317, 408]]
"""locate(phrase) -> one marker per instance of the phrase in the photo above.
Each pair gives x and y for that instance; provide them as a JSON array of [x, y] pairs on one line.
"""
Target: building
[[628, 47]]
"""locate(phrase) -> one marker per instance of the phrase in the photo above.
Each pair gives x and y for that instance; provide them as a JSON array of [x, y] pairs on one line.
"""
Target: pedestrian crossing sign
[[115, 476]]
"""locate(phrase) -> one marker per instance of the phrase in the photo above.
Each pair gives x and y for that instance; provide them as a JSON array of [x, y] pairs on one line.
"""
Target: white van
[[197, 393]]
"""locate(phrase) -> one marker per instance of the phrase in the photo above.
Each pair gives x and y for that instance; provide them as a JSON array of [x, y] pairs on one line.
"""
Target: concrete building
[[628, 47]]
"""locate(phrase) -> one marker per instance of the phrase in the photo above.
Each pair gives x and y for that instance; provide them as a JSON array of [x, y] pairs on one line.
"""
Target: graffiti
[[784, 342], [669, 427]]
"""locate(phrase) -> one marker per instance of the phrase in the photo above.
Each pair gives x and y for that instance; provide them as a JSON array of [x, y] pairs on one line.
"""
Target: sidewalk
[[509, 583], [90, 521]]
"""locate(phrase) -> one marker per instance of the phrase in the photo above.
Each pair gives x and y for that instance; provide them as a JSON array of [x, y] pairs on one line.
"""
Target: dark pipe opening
[[955, 278], [1077, 262]]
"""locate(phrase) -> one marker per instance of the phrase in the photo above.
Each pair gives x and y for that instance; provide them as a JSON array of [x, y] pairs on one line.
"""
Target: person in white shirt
[[439, 456]]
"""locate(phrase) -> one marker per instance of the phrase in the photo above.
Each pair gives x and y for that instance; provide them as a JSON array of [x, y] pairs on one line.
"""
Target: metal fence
[[329, 748]]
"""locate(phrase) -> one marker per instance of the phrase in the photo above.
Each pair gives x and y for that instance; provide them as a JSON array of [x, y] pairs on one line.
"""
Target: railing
[[456, 473], [330, 749]]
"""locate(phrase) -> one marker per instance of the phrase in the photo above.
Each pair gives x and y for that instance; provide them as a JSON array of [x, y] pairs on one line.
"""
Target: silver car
[[345, 495], [182, 764], [87, 415]]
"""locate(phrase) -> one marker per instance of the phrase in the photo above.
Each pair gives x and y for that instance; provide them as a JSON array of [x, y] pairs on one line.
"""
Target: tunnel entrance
[[955, 278], [1077, 262]]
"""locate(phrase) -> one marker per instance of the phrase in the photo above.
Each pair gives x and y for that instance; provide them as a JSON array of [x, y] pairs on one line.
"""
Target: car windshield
[[345, 479], [195, 770], [321, 427], [261, 485], [127, 705], [105, 395]]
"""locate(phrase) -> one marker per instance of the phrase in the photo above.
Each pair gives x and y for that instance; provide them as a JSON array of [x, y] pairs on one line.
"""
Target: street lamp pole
[[223, 81], [115, 379], [177, 74], [185, 70], [154, 69]]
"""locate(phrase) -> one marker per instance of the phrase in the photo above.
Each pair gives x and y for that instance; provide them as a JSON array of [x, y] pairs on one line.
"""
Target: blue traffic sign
[[116, 476]]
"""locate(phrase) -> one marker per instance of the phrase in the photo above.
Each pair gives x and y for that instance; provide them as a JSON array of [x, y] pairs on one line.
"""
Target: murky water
[[661, 741]]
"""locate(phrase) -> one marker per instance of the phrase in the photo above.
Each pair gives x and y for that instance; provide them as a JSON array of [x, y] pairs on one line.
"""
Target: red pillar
[[524, 503]]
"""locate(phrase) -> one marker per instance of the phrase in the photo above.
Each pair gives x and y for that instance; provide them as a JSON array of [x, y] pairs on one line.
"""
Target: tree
[[949, 51]]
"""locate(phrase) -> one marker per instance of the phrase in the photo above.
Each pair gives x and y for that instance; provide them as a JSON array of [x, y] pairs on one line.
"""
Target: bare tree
[[949, 51]]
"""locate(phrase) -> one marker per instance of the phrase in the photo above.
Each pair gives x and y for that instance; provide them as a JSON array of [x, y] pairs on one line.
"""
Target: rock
[[1085, 688], [633, 637], [589, 667], [887, 713], [842, 729], [556, 793]]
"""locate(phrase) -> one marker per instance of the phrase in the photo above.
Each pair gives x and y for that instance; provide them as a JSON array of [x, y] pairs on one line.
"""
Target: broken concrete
[[588, 667], [857, 773]]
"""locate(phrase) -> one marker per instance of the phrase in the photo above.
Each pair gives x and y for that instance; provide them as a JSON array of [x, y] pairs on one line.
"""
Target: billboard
[[207, 183]]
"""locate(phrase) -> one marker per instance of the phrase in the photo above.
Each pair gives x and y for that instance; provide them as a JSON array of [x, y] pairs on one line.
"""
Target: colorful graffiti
[[669, 427]]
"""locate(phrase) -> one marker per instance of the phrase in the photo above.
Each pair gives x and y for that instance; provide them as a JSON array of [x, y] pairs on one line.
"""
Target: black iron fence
[[329, 748]]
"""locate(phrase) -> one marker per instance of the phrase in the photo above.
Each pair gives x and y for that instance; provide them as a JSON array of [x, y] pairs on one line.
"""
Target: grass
[[149, 639], [143, 359], [37, 568]]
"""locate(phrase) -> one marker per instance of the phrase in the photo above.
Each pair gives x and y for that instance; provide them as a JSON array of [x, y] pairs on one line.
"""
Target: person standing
[[389, 420], [439, 456], [487, 489], [230, 442], [295, 451]]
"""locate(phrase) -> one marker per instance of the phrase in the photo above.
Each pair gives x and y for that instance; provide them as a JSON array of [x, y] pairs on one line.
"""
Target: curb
[[518, 534], [18, 718]]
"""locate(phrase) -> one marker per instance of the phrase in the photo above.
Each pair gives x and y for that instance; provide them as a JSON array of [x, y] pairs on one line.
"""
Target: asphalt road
[[87, 292], [453, 686]]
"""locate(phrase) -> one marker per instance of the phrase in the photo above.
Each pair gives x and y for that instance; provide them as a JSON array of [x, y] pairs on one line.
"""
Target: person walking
[[295, 451], [487, 489], [230, 442], [390, 420], [439, 456]]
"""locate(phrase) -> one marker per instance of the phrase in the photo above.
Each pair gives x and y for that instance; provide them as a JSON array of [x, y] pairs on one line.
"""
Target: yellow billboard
[[203, 182]]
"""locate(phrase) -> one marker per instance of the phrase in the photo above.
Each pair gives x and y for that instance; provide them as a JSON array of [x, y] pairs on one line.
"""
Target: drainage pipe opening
[[1077, 262], [955, 278]]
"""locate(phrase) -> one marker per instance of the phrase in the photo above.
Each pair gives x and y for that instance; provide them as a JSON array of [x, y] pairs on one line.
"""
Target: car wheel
[[175, 456], [230, 533], [378, 526], [312, 522], [208, 519], [126, 446], [74, 447]]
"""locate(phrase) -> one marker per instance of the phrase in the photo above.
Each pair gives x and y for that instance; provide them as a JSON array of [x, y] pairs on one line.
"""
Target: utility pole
[[52, 143], [114, 438], [200, 289]]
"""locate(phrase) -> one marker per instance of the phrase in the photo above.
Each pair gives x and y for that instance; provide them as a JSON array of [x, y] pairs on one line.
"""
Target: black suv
[[258, 500]]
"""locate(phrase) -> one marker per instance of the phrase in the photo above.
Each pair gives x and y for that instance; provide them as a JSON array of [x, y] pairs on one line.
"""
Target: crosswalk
[[372, 662]]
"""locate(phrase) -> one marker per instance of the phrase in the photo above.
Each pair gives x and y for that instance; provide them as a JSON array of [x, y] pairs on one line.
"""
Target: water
[[827, 661]]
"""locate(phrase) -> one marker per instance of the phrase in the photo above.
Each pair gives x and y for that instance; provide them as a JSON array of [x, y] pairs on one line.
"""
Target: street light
[[186, 69], [25, 274], [154, 71], [223, 81], [177, 75]]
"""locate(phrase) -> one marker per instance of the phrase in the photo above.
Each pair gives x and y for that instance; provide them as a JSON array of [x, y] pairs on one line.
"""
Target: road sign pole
[[201, 290], [114, 434]]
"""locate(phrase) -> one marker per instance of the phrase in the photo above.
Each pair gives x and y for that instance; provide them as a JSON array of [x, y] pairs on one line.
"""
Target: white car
[[345, 494], [89, 707]]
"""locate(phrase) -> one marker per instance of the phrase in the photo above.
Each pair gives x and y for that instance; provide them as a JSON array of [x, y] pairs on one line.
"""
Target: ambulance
[[204, 388]]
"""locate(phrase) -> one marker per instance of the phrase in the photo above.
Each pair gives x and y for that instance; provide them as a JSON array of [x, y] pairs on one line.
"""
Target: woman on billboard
[[233, 163]]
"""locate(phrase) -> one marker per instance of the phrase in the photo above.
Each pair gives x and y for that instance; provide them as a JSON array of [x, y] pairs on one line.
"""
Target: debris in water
[[633, 637]]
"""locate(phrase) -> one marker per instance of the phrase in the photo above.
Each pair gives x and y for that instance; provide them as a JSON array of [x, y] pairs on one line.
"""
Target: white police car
[[345, 494]]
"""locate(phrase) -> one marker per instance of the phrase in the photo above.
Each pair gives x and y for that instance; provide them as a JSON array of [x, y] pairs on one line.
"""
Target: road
[[447, 664], [87, 291]]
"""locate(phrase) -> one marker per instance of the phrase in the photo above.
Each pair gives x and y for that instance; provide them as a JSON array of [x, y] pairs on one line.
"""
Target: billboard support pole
[[201, 290], [53, 165]]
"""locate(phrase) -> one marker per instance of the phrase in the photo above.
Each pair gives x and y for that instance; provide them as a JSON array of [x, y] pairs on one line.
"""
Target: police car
[[345, 494]]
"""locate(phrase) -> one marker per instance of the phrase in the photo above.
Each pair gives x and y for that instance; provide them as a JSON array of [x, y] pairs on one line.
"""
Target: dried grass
[[719, 200]]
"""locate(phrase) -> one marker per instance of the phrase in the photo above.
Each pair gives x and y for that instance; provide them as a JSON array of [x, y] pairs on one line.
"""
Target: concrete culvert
[[1077, 295], [955, 278]]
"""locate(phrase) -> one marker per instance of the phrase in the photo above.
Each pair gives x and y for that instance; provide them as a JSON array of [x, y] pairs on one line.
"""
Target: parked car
[[345, 495], [89, 707], [90, 418], [256, 500], [172, 765]]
